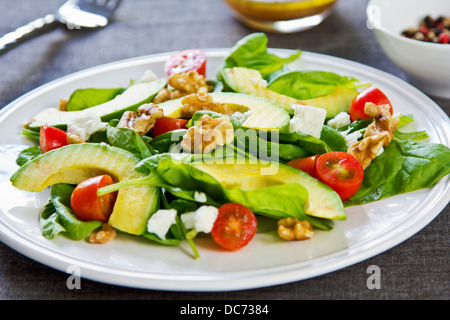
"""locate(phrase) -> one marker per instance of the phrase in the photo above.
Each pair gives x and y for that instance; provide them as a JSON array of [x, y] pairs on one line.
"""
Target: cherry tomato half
[[340, 171], [307, 164], [87, 205], [186, 60], [234, 227], [166, 124], [370, 94], [51, 138]]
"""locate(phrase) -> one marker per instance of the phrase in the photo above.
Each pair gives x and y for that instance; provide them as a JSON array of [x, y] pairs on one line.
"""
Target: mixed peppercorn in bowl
[[426, 62]]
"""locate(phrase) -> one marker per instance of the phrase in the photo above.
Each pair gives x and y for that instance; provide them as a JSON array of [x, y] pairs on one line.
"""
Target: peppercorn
[[430, 30]]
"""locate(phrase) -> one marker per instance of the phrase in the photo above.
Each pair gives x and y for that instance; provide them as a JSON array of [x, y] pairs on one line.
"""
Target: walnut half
[[378, 134], [202, 101], [143, 120], [294, 229], [210, 133], [180, 85], [105, 234]]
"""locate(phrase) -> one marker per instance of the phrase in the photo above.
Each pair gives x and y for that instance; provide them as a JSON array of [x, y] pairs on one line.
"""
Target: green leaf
[[76, 229], [27, 155], [49, 222], [309, 84], [31, 134], [166, 242], [416, 136], [333, 139], [129, 140], [85, 98], [256, 144], [164, 142], [404, 166], [251, 52], [311, 144]]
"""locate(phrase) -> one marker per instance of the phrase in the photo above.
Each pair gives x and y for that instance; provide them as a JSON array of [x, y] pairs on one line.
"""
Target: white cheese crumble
[[242, 117], [202, 219], [308, 119], [351, 138], [149, 76], [340, 120], [160, 222], [199, 196], [258, 81], [85, 126]]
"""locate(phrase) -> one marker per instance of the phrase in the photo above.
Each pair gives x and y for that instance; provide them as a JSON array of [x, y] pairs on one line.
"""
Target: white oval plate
[[267, 260]]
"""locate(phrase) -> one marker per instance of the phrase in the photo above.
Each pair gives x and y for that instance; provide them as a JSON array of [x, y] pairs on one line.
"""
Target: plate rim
[[291, 273]]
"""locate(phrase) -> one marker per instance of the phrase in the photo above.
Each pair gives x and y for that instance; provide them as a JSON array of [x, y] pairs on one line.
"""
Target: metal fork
[[75, 14]]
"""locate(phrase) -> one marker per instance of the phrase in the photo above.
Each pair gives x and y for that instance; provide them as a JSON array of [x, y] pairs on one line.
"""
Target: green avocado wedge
[[266, 115], [131, 99], [250, 81], [75, 163]]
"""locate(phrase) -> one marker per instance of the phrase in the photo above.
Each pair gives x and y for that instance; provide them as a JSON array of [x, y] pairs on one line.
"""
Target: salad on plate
[[177, 157]]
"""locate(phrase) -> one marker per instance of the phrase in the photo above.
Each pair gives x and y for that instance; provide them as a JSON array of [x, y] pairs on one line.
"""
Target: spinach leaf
[[129, 140], [404, 166], [50, 222], [85, 98], [168, 241], [27, 155], [31, 134], [311, 144], [251, 52], [254, 143], [164, 142], [416, 136], [333, 139], [309, 84], [76, 229]]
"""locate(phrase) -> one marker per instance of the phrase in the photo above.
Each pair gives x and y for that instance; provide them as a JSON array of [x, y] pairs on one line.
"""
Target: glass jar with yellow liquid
[[282, 16]]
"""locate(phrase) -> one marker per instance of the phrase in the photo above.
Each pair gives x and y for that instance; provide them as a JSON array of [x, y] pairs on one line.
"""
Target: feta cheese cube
[[85, 126], [202, 219], [205, 216], [188, 219], [160, 222], [340, 120], [308, 119]]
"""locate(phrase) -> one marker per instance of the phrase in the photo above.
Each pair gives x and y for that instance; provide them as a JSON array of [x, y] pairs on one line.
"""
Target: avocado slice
[[323, 202], [250, 81], [131, 99], [266, 114], [75, 163]]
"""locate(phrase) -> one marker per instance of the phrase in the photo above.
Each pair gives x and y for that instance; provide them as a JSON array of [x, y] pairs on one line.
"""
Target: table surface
[[418, 268]]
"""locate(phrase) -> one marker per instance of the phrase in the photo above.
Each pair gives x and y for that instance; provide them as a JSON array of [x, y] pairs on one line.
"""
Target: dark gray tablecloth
[[418, 268]]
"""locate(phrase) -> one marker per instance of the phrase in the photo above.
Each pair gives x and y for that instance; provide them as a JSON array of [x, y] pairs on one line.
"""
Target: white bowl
[[427, 64]]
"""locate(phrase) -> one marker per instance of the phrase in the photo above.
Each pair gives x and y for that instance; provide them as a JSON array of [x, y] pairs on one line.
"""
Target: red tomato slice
[[341, 171], [234, 227], [370, 94], [307, 164], [51, 138], [166, 124], [87, 205], [186, 60]]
